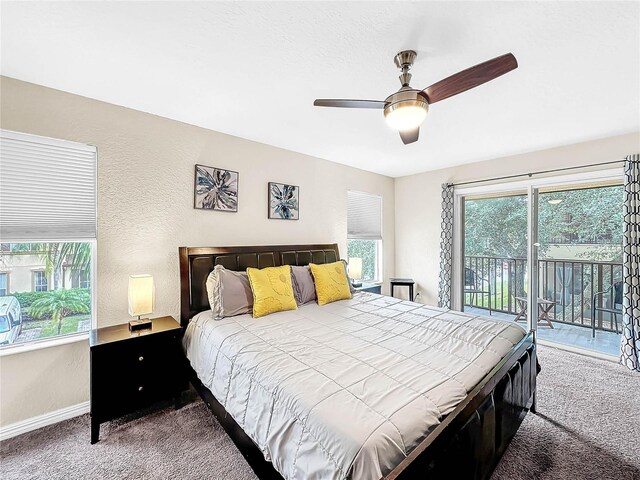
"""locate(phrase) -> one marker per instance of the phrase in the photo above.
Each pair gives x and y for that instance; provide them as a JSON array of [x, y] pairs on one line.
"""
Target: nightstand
[[132, 370], [369, 287]]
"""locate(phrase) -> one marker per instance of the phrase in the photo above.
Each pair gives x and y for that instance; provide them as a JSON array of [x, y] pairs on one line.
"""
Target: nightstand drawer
[[141, 393], [142, 355], [125, 366]]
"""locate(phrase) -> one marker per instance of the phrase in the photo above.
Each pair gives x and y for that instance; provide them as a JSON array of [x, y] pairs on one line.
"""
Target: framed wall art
[[284, 201], [215, 189]]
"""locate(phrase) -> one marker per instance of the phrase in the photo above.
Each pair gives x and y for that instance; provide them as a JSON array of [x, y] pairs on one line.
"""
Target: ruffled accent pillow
[[229, 292]]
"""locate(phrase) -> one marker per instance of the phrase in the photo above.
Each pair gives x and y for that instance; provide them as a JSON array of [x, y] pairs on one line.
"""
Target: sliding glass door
[[495, 253], [580, 265], [547, 254]]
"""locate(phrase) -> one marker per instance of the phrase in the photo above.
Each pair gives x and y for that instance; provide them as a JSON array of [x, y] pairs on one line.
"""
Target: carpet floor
[[587, 427]]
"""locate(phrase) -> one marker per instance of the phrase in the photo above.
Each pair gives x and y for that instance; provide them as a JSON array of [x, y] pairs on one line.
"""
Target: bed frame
[[467, 444]]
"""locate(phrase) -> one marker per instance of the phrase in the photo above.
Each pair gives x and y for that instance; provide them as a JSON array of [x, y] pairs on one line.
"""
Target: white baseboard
[[43, 420]]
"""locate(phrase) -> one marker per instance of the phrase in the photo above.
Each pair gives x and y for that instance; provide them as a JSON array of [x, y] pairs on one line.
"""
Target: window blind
[[364, 216], [47, 189]]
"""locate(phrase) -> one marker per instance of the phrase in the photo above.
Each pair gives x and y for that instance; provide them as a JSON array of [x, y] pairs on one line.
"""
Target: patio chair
[[474, 284], [612, 305]]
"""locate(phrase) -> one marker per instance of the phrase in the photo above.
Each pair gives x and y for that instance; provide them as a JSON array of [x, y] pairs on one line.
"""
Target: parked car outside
[[10, 320]]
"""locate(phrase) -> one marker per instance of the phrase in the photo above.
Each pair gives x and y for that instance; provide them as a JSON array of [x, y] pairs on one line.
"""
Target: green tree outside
[[497, 227]]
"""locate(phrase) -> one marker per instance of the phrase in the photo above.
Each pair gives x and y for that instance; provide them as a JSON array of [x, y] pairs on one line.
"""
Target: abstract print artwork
[[284, 201], [216, 189]]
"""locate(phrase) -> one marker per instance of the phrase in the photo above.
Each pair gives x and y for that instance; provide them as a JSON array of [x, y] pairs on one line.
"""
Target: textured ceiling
[[254, 69]]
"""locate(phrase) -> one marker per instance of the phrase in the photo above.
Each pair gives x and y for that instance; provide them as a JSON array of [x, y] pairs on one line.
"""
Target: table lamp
[[355, 271], [141, 300]]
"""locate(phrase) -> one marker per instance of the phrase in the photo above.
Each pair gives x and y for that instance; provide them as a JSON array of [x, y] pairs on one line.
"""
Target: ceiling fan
[[406, 109]]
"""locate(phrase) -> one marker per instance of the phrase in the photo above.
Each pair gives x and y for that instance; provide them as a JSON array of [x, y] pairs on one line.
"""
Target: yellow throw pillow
[[331, 282], [272, 290]]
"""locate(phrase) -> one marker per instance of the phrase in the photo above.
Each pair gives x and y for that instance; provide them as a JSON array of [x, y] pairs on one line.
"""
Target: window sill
[[39, 345]]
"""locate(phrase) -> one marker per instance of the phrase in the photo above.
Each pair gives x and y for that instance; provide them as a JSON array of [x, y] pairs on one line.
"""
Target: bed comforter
[[346, 390]]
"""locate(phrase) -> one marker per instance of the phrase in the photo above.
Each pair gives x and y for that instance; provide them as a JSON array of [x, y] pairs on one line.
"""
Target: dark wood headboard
[[196, 263]]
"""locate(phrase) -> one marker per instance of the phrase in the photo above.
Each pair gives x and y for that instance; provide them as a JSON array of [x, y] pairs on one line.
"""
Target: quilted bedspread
[[348, 389]]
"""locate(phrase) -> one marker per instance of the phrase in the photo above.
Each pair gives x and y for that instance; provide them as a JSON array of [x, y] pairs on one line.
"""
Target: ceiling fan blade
[[409, 136], [470, 78], [329, 102]]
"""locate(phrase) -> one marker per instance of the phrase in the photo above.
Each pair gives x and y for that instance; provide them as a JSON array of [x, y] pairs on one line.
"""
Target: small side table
[[544, 309], [403, 282]]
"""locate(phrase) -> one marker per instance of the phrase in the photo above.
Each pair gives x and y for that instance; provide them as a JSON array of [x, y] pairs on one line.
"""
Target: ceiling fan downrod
[[404, 61]]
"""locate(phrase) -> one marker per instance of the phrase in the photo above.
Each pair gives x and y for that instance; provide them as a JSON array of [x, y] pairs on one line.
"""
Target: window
[[364, 233], [75, 278], [369, 252], [4, 284], [40, 283], [48, 236]]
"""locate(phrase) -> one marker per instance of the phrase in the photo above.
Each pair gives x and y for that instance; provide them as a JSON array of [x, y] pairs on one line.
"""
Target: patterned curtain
[[630, 342], [446, 247]]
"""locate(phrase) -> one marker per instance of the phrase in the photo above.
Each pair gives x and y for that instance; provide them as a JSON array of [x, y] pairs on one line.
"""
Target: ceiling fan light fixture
[[405, 110], [405, 117]]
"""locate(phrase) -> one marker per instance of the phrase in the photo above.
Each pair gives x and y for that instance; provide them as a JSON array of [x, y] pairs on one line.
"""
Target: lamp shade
[[355, 268], [141, 295]]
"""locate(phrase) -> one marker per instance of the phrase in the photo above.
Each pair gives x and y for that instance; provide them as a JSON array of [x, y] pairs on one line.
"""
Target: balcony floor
[[576, 336]]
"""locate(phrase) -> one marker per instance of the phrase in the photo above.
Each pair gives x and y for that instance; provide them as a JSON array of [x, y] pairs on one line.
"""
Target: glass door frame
[[531, 186]]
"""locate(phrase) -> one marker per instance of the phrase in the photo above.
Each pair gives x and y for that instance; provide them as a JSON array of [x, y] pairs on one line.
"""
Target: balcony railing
[[570, 283]]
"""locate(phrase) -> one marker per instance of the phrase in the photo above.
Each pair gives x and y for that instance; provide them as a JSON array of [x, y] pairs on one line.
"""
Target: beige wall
[[418, 200], [145, 211]]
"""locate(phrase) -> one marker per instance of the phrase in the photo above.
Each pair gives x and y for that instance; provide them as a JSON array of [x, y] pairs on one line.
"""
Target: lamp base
[[140, 324], [356, 284]]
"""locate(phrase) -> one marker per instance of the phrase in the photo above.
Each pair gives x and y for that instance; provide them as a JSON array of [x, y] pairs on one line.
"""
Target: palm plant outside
[[65, 307], [77, 255], [58, 304]]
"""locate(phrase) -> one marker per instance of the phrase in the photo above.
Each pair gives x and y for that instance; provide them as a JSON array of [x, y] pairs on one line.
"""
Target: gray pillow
[[303, 287], [229, 292]]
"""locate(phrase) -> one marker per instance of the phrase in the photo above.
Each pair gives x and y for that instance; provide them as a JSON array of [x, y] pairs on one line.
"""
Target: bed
[[372, 387]]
